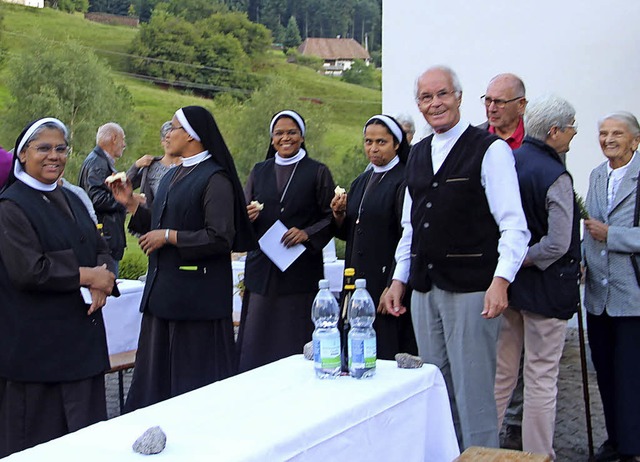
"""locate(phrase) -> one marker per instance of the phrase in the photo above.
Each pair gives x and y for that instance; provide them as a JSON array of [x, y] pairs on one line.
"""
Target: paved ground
[[571, 431]]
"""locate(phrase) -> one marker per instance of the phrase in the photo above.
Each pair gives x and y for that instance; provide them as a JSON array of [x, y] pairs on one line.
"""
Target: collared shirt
[[515, 140], [614, 177], [500, 182]]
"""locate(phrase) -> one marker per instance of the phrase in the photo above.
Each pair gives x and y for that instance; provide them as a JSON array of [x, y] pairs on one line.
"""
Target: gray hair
[[627, 118], [106, 131], [166, 128], [546, 112], [447, 70], [405, 119]]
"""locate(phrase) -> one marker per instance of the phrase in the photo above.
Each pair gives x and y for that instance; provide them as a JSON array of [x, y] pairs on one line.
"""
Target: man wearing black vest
[[465, 236], [545, 292]]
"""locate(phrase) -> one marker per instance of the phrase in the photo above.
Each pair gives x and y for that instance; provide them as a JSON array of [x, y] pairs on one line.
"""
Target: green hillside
[[346, 107]]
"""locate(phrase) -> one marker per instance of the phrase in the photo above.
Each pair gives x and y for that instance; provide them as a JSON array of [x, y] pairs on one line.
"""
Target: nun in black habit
[[198, 217], [53, 347], [369, 219], [297, 190]]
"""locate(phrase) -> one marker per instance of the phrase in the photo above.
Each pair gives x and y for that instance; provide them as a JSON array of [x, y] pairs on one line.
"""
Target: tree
[[209, 56], [194, 10], [291, 35], [361, 74], [71, 6], [71, 84]]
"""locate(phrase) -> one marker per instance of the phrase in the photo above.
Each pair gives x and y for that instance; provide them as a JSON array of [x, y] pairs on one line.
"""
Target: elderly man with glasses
[[504, 104], [545, 292], [464, 238]]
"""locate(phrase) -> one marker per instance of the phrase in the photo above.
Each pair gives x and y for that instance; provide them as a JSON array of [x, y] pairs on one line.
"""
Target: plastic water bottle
[[362, 337], [326, 336]]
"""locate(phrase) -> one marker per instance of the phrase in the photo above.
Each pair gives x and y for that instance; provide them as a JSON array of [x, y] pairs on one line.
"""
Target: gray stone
[[307, 351], [407, 361], [152, 441]]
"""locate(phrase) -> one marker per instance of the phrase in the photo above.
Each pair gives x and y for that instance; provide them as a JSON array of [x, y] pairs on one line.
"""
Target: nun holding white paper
[[290, 187]]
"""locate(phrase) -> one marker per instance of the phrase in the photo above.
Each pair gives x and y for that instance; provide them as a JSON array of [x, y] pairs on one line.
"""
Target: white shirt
[[614, 178], [500, 182]]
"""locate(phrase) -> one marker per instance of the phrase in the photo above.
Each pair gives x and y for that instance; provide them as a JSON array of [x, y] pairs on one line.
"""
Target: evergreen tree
[[291, 35]]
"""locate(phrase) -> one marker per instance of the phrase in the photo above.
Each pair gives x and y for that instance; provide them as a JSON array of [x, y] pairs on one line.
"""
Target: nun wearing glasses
[[53, 348], [291, 187], [198, 217], [368, 219]]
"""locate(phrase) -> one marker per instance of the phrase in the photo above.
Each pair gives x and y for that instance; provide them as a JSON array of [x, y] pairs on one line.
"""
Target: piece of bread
[[257, 204], [119, 176], [339, 191]]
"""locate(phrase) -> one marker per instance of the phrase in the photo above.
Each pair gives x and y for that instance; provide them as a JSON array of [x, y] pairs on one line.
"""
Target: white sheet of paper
[[270, 244]]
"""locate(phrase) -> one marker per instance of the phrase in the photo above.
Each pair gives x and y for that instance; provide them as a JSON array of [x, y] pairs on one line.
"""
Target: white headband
[[294, 115], [186, 125], [39, 123], [389, 122]]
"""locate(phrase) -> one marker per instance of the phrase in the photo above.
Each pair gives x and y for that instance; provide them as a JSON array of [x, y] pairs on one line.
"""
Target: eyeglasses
[[427, 98], [172, 128], [500, 103], [44, 149], [574, 126], [281, 133]]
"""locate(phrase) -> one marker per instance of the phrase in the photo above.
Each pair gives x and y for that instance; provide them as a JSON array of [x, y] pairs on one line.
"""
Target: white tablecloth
[[122, 317], [283, 412]]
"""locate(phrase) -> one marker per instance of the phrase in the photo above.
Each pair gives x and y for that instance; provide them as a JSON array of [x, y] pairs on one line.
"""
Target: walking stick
[[585, 380]]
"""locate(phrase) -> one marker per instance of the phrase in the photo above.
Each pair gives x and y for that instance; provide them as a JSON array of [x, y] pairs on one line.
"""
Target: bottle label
[[326, 352], [362, 353]]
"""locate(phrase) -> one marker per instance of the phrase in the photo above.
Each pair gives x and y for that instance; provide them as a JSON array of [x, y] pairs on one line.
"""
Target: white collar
[[30, 181], [453, 133], [290, 160], [195, 160], [620, 171], [385, 168]]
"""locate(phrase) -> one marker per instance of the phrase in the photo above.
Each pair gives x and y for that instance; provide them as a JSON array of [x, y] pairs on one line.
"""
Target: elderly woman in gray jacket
[[612, 295]]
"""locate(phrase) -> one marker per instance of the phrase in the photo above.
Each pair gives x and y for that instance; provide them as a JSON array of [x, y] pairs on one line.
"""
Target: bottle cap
[[361, 283], [349, 272], [323, 284]]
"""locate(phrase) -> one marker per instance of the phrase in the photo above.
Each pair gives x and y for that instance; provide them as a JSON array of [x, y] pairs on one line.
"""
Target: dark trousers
[[615, 351], [34, 413]]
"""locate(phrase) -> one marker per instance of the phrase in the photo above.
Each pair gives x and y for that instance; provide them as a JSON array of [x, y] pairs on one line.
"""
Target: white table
[[122, 317], [282, 412]]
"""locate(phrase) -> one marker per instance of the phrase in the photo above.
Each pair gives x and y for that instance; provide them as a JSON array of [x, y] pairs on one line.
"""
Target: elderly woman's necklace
[[366, 190]]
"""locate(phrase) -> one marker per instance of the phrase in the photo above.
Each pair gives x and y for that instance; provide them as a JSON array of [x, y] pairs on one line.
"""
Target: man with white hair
[[545, 292], [464, 238], [99, 164]]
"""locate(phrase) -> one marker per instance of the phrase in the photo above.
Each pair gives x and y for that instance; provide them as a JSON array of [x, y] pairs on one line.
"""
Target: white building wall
[[32, 3], [585, 51]]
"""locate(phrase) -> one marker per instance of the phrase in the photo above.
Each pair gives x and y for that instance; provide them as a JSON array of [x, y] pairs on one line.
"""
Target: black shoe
[[607, 453], [512, 438]]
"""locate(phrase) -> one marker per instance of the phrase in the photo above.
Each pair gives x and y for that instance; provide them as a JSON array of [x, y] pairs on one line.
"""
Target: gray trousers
[[452, 334]]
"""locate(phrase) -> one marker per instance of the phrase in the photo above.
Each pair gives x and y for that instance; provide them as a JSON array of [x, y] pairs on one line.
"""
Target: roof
[[333, 48]]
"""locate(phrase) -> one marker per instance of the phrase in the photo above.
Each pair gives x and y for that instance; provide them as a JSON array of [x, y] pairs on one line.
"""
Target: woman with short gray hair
[[612, 284], [147, 171]]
